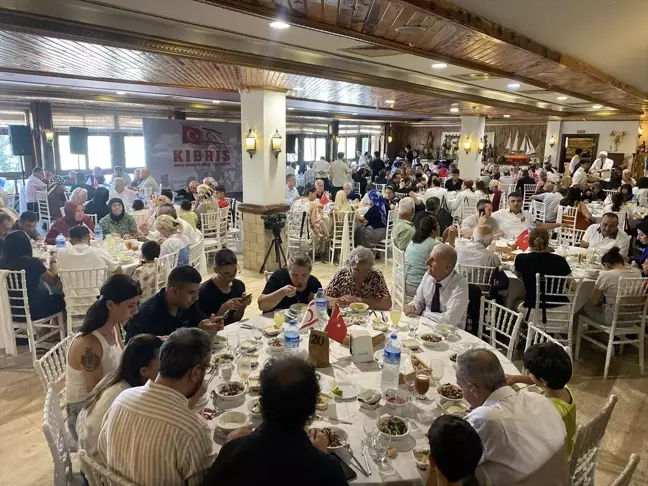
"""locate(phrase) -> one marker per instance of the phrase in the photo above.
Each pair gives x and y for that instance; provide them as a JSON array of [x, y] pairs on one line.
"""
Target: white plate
[[349, 391], [378, 355]]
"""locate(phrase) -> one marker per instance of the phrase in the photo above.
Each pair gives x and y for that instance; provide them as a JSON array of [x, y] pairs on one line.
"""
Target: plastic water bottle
[[391, 363], [291, 339], [98, 233], [321, 308], [60, 241]]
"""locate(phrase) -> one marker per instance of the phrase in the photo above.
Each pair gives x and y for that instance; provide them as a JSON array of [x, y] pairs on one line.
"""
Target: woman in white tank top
[[96, 351]]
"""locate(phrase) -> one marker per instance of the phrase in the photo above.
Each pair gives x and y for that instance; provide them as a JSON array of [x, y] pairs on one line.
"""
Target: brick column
[[257, 239]]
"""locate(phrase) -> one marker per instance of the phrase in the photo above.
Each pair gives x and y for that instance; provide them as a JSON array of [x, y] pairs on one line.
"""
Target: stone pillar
[[41, 119], [117, 149], [553, 130], [264, 175], [472, 127]]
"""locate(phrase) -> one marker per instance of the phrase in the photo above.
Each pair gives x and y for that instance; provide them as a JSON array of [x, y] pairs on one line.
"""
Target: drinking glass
[[395, 314], [233, 341], [380, 445], [422, 384], [225, 371], [245, 341], [258, 337], [244, 367], [279, 318], [412, 325], [436, 371]]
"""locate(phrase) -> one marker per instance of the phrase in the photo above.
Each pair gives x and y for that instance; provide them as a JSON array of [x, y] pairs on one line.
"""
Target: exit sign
[[580, 131]]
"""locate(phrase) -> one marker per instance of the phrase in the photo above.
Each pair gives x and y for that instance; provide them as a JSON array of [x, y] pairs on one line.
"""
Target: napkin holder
[[377, 337], [360, 346]]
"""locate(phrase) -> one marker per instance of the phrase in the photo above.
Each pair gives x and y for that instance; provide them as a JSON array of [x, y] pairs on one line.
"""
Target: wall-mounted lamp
[[552, 141], [467, 145], [389, 139], [639, 132], [275, 143], [49, 134], [250, 143], [481, 145]]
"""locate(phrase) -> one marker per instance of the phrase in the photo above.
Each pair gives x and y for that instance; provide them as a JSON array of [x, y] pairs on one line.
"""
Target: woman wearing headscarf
[[98, 205], [56, 196], [373, 225], [74, 216], [118, 220], [626, 191]]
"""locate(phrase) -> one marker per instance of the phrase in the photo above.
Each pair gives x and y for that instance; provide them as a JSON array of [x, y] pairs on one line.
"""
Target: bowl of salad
[[392, 426]]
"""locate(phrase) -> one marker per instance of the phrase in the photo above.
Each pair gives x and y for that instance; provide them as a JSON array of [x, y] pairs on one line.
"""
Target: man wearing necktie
[[442, 296]]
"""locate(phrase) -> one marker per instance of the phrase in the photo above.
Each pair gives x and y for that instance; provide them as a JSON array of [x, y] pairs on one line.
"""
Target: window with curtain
[[99, 151], [309, 149], [68, 161], [348, 146], [134, 151], [320, 148]]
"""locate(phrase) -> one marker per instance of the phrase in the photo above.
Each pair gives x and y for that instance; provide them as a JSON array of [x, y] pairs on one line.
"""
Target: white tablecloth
[[401, 470]]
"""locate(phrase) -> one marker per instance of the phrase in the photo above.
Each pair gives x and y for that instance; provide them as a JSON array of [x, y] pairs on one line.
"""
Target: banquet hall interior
[[356, 136]]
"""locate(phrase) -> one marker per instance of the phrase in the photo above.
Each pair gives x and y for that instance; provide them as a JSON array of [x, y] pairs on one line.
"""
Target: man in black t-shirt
[[189, 192], [453, 183], [376, 166], [294, 285]]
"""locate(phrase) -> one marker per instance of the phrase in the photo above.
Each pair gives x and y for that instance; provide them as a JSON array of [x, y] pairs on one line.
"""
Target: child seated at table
[[145, 273], [187, 214], [550, 367]]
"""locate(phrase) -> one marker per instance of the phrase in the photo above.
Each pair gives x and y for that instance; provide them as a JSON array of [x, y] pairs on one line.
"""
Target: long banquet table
[[401, 470]]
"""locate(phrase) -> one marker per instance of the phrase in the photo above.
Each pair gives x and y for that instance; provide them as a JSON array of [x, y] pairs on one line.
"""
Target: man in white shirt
[[604, 236], [82, 256], [35, 183], [520, 432], [291, 191], [603, 163], [340, 174], [149, 182], [476, 252], [442, 296], [513, 220], [157, 421], [483, 217], [551, 199], [120, 191], [291, 169], [322, 169], [437, 191], [119, 172], [579, 178], [573, 165]]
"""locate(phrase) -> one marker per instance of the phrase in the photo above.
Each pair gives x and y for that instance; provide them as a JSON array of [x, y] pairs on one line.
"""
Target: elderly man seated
[[403, 227], [521, 433], [483, 217], [442, 296], [476, 252], [602, 237], [551, 199]]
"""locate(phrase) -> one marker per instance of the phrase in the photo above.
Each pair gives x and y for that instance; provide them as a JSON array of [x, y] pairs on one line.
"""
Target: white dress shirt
[[596, 241], [477, 255], [290, 171], [150, 183], [340, 173], [520, 432], [152, 438], [551, 201], [600, 165], [574, 162], [453, 298], [85, 257], [580, 177], [291, 194], [321, 168], [128, 196], [513, 224]]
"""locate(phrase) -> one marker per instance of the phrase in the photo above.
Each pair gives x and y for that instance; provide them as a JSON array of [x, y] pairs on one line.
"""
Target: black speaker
[[79, 140], [21, 140]]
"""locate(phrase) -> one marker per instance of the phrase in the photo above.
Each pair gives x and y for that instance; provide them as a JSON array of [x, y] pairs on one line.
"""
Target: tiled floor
[[25, 459]]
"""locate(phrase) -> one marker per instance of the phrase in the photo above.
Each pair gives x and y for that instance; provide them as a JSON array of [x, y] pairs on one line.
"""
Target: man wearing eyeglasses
[[173, 307]]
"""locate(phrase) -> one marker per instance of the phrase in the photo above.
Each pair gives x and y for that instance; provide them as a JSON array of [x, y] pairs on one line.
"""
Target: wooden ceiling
[[448, 33]]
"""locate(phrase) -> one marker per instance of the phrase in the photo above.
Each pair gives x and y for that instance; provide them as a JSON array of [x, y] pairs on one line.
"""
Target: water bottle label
[[291, 341], [392, 357]]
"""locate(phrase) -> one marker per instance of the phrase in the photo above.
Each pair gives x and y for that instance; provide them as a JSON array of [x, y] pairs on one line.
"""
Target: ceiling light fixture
[[216, 102], [297, 88], [562, 98], [390, 102], [120, 92], [290, 108], [506, 116], [439, 65], [597, 107], [354, 114], [513, 85], [454, 110], [279, 25]]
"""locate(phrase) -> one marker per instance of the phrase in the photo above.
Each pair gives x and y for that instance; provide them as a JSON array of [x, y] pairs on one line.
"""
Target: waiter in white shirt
[[521, 432], [580, 176], [340, 174], [575, 161], [442, 296], [322, 168]]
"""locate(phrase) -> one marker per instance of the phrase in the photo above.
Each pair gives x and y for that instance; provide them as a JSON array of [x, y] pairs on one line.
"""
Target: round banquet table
[[401, 470]]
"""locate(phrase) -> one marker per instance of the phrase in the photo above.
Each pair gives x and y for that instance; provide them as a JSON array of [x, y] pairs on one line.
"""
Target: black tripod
[[279, 253]]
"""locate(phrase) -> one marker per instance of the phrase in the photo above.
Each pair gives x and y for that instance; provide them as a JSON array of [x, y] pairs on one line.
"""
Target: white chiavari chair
[[195, 253], [51, 366], [385, 245], [35, 331], [234, 238], [566, 216], [398, 292], [44, 215], [93, 218], [214, 229], [569, 236], [529, 190], [98, 475], [81, 288], [356, 188], [507, 188], [57, 439], [536, 335], [381, 188], [499, 326], [587, 444], [628, 321], [340, 239], [476, 275], [555, 306], [625, 477], [163, 267], [299, 234], [539, 210]]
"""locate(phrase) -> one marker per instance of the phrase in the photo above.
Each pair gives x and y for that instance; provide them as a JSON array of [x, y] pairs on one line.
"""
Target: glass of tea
[[422, 384]]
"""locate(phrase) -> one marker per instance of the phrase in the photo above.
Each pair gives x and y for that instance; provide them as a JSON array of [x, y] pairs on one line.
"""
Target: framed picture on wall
[[569, 144]]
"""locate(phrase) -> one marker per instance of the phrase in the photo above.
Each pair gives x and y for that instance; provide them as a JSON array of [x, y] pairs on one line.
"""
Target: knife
[[331, 419], [363, 450], [362, 469]]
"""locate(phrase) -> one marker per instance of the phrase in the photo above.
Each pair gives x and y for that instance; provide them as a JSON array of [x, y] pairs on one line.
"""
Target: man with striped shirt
[[151, 435]]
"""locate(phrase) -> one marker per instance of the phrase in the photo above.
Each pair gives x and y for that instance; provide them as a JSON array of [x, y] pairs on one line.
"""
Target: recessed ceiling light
[[279, 25], [297, 88], [391, 102], [506, 116], [562, 98], [597, 107], [439, 65], [454, 104], [513, 85], [290, 108], [121, 92], [454, 110], [215, 101], [354, 114]]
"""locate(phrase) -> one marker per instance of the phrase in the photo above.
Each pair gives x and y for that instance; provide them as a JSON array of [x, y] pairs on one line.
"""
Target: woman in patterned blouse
[[358, 281], [118, 220]]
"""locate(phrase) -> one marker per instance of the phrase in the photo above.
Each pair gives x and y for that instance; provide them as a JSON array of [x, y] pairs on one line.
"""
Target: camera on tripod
[[274, 222]]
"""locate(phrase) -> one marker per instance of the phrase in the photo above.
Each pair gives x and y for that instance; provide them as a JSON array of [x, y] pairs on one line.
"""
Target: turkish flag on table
[[522, 240], [336, 328], [191, 135]]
